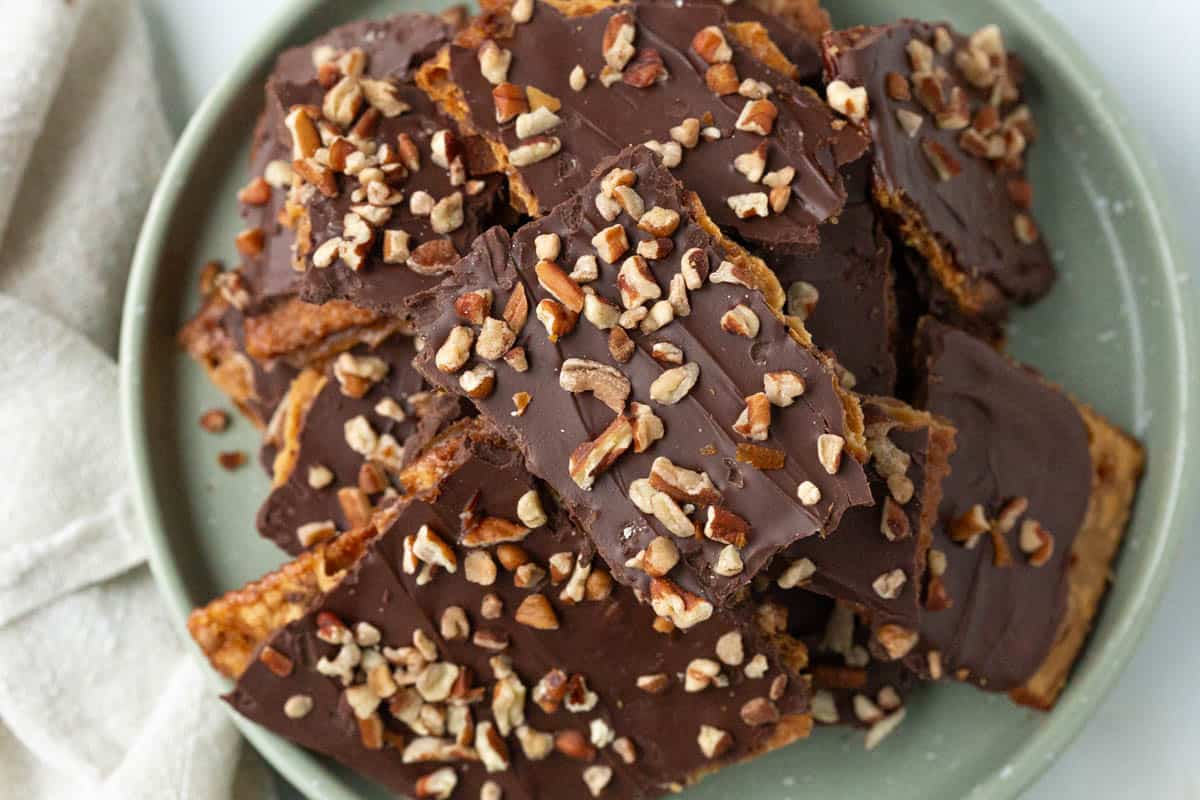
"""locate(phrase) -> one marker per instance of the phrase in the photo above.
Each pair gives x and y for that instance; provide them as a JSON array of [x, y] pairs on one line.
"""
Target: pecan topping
[[740, 321], [847, 101], [674, 384], [709, 43], [592, 458], [758, 116], [682, 608], [713, 742], [555, 280], [755, 420], [534, 150], [726, 527]]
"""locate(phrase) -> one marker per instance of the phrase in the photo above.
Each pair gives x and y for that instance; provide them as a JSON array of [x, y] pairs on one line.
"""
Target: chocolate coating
[[393, 49], [1017, 437], [598, 121], [858, 553], [610, 642], [970, 217], [855, 315], [322, 441], [698, 429]]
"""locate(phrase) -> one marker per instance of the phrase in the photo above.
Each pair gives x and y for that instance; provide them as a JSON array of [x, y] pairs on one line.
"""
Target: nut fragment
[[536, 612], [556, 318], [729, 562], [578, 78], [896, 640], [555, 280], [653, 684], [754, 422], [660, 557], [687, 133], [681, 607], [713, 741], [967, 528], [749, 205], [620, 346], [596, 778], [674, 384], [757, 116], [494, 62], [479, 568], [530, 511], [796, 573], [730, 649], [600, 312], [536, 122], [846, 100], [659, 221], [478, 382], [722, 79], [829, 451], [534, 150], [611, 243], [759, 711], [740, 321], [591, 458], [636, 282], [890, 584], [608, 384], [752, 164], [1036, 542], [700, 674], [617, 44], [709, 43], [783, 387], [647, 427]]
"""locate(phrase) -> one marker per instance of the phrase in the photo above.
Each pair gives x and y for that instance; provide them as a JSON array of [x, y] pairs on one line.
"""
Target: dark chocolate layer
[[1018, 439], [698, 428], [861, 564], [971, 213], [597, 121], [610, 642], [322, 442], [392, 49], [854, 313]]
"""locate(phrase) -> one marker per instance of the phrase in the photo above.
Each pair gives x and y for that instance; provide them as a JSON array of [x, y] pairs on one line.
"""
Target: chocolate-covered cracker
[[383, 195], [215, 338], [844, 292], [641, 366], [1039, 492], [875, 559], [760, 150], [950, 133], [346, 432], [510, 663]]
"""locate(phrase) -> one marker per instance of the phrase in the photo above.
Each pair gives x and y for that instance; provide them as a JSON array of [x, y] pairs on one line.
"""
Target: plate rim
[[313, 778]]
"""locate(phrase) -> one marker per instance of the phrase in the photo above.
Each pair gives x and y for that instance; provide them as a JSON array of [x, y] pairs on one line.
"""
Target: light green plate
[[1117, 331]]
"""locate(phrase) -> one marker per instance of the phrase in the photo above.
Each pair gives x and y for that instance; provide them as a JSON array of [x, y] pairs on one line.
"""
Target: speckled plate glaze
[[1117, 330]]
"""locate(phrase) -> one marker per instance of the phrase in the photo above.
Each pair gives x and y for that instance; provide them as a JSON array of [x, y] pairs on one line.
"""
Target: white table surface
[[1144, 741]]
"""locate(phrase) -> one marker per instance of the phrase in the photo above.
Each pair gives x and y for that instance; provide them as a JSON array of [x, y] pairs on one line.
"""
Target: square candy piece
[[1039, 493], [548, 683], [343, 437], [656, 391], [875, 559], [372, 194], [950, 133], [760, 150]]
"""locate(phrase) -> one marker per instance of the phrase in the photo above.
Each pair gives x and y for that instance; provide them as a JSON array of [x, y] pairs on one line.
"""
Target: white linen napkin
[[97, 695]]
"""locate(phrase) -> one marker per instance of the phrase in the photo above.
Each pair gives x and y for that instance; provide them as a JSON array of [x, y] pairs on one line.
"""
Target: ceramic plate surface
[[1116, 331]]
